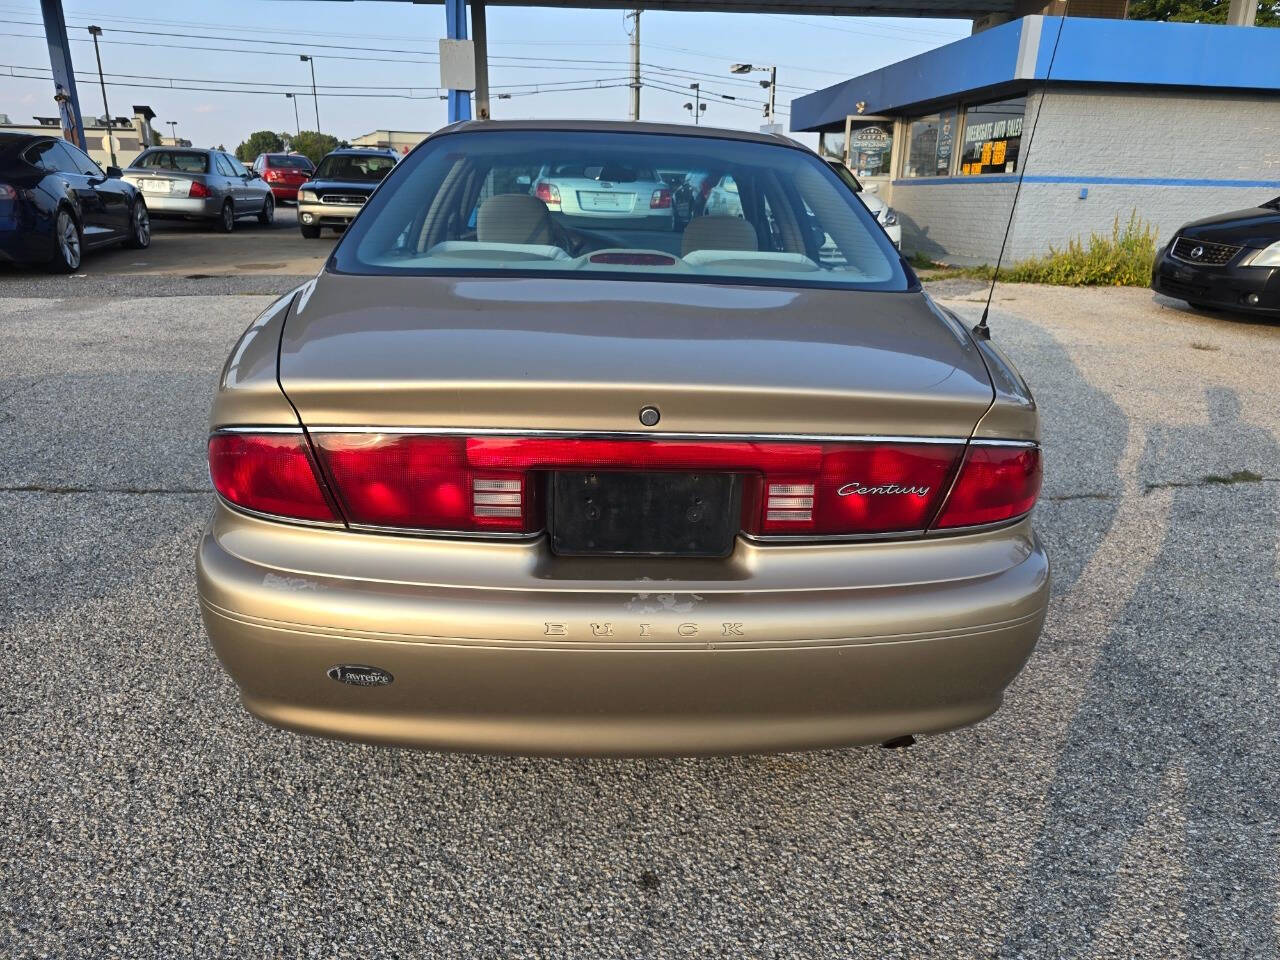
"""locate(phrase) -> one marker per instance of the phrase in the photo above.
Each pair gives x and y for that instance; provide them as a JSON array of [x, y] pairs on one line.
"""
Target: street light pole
[[311, 60], [173, 131], [296, 122], [96, 32], [771, 84]]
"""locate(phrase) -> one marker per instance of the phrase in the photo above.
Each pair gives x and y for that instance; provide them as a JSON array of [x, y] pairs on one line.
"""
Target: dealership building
[[1172, 121]]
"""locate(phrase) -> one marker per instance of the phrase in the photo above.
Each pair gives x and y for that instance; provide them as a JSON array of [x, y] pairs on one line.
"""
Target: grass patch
[[1123, 259]]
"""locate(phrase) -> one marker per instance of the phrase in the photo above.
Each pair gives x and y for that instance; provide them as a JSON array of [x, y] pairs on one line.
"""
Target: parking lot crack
[[1215, 480], [58, 489]]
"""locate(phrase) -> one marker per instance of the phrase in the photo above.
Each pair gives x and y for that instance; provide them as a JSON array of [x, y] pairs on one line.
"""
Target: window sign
[[930, 142], [870, 149], [992, 137]]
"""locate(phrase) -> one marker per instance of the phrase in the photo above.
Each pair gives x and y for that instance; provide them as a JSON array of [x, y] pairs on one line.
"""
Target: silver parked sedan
[[200, 184], [611, 194]]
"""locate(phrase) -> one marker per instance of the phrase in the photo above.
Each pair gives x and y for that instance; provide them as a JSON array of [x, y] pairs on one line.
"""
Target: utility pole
[[697, 106], [773, 89], [296, 122], [635, 64], [96, 32], [311, 60]]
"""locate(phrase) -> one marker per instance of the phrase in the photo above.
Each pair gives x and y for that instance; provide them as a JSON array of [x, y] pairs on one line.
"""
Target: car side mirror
[[114, 173]]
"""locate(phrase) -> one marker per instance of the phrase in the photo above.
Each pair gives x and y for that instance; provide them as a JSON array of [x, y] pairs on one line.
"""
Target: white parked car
[[880, 210], [884, 213]]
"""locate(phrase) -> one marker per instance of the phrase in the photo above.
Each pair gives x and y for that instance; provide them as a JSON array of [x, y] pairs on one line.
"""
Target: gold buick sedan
[[522, 472]]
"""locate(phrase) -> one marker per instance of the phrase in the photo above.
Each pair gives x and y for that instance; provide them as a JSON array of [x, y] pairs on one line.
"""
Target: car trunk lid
[[587, 354]]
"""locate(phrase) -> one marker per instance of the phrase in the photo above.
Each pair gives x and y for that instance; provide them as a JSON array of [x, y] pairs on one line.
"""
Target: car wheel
[[139, 227], [227, 217], [310, 233], [268, 210], [68, 243]]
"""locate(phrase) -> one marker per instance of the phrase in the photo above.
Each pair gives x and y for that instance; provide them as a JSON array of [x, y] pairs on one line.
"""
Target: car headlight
[[307, 195], [1266, 257], [888, 218]]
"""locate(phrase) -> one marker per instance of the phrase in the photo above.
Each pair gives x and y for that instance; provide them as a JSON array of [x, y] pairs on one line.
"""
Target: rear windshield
[[288, 162], [347, 167], [178, 160], [594, 203]]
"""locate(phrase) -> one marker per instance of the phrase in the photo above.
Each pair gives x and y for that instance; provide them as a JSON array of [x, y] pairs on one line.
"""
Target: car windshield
[[288, 163], [183, 162], [587, 203], [353, 167]]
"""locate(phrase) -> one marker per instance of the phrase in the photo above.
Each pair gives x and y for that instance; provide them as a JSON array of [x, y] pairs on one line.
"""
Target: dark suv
[[339, 188]]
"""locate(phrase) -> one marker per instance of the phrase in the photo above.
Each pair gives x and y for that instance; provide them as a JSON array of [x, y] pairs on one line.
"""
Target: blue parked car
[[56, 203]]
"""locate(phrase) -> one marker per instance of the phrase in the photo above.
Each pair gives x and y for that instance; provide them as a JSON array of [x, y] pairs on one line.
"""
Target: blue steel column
[[455, 14], [64, 78]]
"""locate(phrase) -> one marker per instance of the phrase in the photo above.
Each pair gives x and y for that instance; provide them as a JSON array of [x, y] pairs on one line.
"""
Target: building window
[[929, 145], [992, 137]]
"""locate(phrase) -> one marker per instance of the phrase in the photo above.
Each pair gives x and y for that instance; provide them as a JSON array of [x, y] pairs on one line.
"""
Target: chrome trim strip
[[986, 442], [819, 538], [239, 429], [977, 528], [278, 518], [640, 434], [447, 534]]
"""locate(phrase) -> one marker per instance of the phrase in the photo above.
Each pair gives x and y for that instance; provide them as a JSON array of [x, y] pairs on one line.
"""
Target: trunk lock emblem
[[649, 416]]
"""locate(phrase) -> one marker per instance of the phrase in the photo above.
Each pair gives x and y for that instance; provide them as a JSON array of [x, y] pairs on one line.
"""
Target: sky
[[221, 69]]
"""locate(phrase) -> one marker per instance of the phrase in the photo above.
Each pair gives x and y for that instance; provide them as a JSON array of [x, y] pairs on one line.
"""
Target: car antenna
[[981, 330]]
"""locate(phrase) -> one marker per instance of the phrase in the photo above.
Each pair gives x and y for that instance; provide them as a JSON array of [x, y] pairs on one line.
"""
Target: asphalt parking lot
[[1124, 803]]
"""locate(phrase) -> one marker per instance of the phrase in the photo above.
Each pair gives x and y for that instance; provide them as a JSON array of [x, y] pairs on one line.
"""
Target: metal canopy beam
[[958, 9], [64, 75]]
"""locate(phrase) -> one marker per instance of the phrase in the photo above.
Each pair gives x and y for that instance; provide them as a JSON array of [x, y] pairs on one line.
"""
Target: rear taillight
[[272, 176], [548, 193], [661, 199], [490, 483], [423, 483], [997, 482], [198, 190], [270, 473]]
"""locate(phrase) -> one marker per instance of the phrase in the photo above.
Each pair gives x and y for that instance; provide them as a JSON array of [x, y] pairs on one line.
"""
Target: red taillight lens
[[996, 483], [548, 193], [488, 483], [661, 199], [198, 189], [425, 483], [270, 473], [272, 176], [865, 488]]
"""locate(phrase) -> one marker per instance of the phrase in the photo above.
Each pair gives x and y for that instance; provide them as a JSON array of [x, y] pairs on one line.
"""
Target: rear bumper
[[503, 648], [1253, 290], [161, 207]]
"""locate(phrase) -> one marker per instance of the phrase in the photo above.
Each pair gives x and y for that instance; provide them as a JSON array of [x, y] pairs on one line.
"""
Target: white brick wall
[[1099, 132]]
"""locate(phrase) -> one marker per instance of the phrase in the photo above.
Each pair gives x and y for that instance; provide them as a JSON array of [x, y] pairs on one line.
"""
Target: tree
[[1199, 11], [314, 145], [263, 141]]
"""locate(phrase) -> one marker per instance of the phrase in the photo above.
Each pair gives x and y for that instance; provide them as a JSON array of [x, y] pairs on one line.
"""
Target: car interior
[[473, 210], [189, 162]]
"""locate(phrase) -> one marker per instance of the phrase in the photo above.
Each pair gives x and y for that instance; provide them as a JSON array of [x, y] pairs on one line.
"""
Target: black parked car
[[55, 203], [1227, 262]]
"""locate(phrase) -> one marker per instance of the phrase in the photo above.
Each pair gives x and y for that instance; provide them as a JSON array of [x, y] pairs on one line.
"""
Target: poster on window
[[992, 137]]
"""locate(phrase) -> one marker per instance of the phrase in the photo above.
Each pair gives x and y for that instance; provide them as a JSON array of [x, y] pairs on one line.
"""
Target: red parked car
[[285, 172]]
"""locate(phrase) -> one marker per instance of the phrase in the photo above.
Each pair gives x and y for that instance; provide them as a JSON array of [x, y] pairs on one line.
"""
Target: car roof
[[624, 126]]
